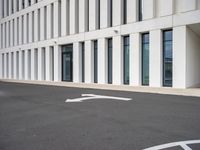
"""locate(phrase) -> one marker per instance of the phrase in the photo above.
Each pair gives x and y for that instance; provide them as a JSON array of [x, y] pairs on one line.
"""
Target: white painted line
[[183, 144], [93, 96], [185, 147]]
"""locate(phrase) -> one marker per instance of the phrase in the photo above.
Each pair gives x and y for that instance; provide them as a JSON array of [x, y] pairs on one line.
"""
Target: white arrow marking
[[93, 96], [183, 144]]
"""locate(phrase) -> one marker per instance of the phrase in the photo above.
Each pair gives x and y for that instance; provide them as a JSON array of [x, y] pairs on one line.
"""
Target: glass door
[[67, 63]]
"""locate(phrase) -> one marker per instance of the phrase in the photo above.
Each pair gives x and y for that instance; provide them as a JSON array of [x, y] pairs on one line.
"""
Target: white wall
[[193, 58]]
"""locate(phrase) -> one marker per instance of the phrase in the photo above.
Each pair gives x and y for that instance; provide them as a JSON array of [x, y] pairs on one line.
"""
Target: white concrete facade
[[32, 39]]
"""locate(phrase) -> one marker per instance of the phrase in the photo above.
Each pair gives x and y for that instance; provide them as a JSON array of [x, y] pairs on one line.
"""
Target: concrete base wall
[[193, 58]]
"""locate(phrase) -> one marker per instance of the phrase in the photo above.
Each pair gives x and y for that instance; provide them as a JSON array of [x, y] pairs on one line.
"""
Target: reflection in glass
[[126, 59], [167, 58], [83, 61], [110, 61], [67, 69], [145, 59], [95, 61]]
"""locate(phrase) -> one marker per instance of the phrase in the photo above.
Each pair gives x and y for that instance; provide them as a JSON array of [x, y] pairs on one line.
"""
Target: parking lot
[[39, 117]]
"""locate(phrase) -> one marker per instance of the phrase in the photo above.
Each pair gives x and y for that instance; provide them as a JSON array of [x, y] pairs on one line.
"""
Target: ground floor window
[[167, 58], [67, 63], [145, 59], [110, 61], [83, 60], [95, 61], [126, 59]]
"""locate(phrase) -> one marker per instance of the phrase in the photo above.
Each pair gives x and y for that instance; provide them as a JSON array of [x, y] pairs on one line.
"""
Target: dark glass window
[[140, 10], [98, 14], [145, 59], [110, 12], [29, 2], [23, 4], [83, 61], [167, 58], [125, 12], [126, 60], [95, 61], [110, 61], [17, 5], [67, 63]]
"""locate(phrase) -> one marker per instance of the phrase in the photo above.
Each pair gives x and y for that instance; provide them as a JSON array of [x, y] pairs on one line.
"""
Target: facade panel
[[33, 34]]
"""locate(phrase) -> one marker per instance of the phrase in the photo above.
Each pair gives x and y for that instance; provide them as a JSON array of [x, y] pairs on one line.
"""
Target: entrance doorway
[[67, 63]]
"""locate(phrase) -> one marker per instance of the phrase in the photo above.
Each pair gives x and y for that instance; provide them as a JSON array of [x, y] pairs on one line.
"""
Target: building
[[152, 43]]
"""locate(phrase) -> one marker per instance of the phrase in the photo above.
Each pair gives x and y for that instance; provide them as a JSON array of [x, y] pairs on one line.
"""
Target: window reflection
[[167, 58]]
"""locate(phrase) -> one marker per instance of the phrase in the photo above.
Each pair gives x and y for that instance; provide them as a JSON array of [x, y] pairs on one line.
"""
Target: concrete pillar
[[148, 9], [11, 32], [42, 24], [64, 17], [49, 22], [7, 34], [5, 8], [57, 63], [56, 19], [14, 6], [15, 31], [30, 28], [33, 64], [25, 29], [104, 13], [20, 30], [155, 59], [102, 61], [12, 65], [10, 7], [1, 35], [93, 18], [117, 12], [9, 66], [49, 64], [117, 61], [73, 17], [26, 3], [132, 11], [89, 62], [83, 18], [179, 57], [41, 67], [20, 65], [26, 65], [20, 4], [1, 65], [77, 62], [15, 65], [1, 9], [36, 30], [32, 2], [4, 39], [5, 66], [135, 59]]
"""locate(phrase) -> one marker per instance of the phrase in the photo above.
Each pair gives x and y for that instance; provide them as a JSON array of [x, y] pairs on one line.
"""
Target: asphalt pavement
[[36, 117]]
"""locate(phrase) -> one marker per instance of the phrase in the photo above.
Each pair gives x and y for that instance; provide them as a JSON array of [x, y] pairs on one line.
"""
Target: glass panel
[[125, 12], [67, 60], [95, 62], [109, 61], [145, 59], [167, 35], [140, 10], [83, 62], [126, 60], [168, 49], [167, 58]]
